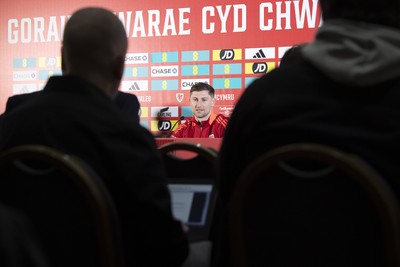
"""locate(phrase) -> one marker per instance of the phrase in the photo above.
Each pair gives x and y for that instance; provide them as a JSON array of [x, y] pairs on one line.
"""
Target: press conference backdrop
[[172, 45]]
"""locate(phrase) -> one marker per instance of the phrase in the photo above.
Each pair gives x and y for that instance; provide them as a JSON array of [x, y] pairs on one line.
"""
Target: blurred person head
[[94, 48], [385, 12], [202, 100]]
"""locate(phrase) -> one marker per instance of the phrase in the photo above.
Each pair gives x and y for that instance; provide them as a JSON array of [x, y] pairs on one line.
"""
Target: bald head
[[94, 47]]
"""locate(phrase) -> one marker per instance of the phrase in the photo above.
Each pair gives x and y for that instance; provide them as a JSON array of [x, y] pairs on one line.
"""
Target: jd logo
[[227, 54], [259, 67], [164, 125]]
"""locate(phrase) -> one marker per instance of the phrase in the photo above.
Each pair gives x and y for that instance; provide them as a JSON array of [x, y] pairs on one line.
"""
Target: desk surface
[[207, 142]]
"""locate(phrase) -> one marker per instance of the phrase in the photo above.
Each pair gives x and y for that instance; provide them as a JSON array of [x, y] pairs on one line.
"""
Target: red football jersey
[[214, 127]]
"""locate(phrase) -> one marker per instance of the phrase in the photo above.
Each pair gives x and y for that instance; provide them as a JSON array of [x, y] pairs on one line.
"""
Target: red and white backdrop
[[172, 45]]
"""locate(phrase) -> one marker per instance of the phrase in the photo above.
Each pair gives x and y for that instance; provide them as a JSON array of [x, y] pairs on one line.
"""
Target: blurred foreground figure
[[343, 90], [76, 114]]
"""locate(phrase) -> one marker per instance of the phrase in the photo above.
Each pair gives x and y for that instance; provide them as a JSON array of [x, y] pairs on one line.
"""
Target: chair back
[[313, 205], [198, 162], [196, 172], [67, 203]]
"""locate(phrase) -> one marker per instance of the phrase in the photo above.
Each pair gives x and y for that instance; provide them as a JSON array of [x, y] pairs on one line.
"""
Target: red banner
[[172, 45]]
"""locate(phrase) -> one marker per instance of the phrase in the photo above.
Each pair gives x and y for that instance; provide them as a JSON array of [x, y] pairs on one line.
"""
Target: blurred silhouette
[[127, 102], [75, 114], [342, 91]]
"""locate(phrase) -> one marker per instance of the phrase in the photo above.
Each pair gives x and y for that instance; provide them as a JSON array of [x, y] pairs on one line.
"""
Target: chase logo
[[136, 58], [24, 75], [227, 54], [128, 86], [164, 71], [186, 84]]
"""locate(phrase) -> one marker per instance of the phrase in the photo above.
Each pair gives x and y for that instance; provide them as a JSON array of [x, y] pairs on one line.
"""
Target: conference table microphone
[[173, 126]]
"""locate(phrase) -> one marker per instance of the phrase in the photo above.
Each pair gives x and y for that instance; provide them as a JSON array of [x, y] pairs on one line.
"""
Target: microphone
[[173, 126]]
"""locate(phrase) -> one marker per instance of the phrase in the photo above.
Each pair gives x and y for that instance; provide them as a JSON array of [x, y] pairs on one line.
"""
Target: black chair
[[199, 162], [70, 208], [313, 205], [19, 246], [194, 164]]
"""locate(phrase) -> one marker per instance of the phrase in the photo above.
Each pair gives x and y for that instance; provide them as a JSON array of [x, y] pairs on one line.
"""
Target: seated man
[[76, 113], [204, 123]]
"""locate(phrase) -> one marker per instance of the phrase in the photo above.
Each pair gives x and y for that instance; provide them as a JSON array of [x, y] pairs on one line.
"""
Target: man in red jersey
[[204, 123]]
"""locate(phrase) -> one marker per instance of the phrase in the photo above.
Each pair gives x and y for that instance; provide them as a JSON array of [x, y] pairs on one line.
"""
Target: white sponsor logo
[[224, 96], [226, 110], [144, 98], [282, 50], [136, 58], [261, 53], [170, 112], [24, 76], [186, 84], [24, 88], [131, 86], [164, 71]]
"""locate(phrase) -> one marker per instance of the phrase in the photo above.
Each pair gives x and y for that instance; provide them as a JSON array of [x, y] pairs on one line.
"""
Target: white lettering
[[238, 17], [282, 15], [267, 14], [12, 36]]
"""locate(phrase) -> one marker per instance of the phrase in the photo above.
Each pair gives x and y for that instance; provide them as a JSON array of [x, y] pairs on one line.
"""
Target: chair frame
[[107, 227], [203, 151], [377, 189]]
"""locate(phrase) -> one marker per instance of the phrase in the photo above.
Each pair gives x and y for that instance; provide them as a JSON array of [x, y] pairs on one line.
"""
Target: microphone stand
[[173, 126]]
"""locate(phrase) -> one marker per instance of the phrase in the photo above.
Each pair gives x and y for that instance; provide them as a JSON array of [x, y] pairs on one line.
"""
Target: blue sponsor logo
[[187, 111], [193, 56], [159, 85], [132, 72], [24, 62], [222, 69], [195, 70], [227, 83], [45, 74], [161, 57]]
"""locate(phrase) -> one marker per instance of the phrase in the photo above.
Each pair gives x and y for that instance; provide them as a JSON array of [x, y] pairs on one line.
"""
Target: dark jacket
[[73, 116], [127, 102]]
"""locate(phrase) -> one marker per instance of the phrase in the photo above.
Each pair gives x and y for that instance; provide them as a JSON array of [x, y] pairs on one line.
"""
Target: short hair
[[93, 38], [384, 12], [200, 86]]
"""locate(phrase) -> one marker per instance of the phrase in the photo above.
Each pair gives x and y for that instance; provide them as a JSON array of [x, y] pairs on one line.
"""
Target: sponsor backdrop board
[[172, 45]]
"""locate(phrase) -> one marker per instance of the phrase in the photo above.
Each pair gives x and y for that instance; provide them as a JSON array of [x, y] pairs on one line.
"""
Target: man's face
[[202, 104]]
